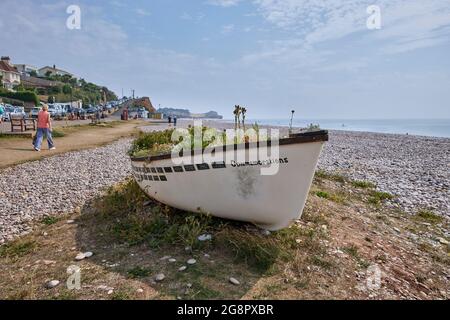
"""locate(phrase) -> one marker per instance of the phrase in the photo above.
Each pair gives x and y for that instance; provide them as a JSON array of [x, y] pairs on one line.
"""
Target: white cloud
[[227, 28], [143, 12], [196, 17], [224, 3], [403, 21]]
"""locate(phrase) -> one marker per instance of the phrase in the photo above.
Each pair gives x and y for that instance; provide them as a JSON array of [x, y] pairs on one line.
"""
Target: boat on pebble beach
[[234, 189]]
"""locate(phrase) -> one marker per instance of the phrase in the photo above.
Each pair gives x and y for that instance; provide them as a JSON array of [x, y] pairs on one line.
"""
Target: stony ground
[[414, 169], [57, 185]]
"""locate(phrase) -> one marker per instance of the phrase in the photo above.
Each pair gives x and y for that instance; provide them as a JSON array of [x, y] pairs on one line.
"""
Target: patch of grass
[[19, 295], [49, 220], [156, 225], [322, 174], [12, 136], [120, 295], [257, 251], [65, 295], [321, 262], [56, 133], [363, 184], [428, 216], [335, 197], [363, 263], [323, 194], [17, 249], [377, 197], [139, 272], [338, 197], [146, 141], [351, 250], [201, 292]]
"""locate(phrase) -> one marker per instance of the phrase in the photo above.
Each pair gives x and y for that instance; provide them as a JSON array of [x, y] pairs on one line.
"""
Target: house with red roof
[[10, 76]]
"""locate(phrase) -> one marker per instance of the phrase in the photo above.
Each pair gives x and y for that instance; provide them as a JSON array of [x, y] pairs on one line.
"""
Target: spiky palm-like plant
[[237, 117], [243, 111]]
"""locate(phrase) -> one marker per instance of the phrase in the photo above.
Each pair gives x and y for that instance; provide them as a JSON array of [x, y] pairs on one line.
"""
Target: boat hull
[[235, 190]]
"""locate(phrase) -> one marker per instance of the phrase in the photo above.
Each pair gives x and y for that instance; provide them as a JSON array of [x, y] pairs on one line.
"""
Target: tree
[[55, 90], [48, 74], [66, 78], [33, 73], [67, 89]]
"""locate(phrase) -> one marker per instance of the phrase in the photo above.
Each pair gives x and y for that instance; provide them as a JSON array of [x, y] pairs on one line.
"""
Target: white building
[[26, 68], [53, 71], [10, 77]]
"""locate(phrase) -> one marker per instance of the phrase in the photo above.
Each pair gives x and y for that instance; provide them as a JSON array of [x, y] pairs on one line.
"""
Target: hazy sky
[[317, 57]]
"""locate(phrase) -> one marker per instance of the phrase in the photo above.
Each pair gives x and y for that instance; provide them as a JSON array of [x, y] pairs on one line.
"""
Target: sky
[[271, 56]]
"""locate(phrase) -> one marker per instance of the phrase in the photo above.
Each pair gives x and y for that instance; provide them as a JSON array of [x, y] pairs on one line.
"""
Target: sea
[[420, 127]]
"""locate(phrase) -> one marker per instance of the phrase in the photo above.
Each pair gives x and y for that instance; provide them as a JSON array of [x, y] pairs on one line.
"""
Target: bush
[[27, 96], [67, 89]]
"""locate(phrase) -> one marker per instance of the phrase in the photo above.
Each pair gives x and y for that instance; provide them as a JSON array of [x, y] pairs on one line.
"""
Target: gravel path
[[57, 184]]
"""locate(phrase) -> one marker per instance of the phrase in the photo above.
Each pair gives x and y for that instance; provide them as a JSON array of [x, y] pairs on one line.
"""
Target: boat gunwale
[[307, 137]]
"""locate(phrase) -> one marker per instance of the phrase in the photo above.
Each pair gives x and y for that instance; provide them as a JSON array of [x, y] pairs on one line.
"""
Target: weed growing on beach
[[377, 197], [428, 216], [352, 250], [256, 250], [321, 262], [322, 174], [120, 295], [363, 184], [139, 272], [146, 141], [156, 225], [17, 249], [13, 136], [335, 197], [49, 220], [322, 194], [56, 133]]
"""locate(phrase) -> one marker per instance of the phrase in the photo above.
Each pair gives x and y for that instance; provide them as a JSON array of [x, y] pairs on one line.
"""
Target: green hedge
[[26, 96]]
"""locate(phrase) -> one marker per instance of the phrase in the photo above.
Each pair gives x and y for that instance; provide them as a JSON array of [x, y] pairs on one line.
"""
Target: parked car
[[53, 111], [34, 113], [20, 111], [9, 109], [91, 110]]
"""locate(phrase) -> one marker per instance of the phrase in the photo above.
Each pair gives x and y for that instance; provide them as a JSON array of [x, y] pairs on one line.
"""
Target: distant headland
[[185, 113]]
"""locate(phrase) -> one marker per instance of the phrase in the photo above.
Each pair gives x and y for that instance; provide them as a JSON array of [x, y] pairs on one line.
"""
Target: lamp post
[[290, 125]]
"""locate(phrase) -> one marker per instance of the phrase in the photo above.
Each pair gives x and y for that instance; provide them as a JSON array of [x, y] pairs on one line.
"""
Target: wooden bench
[[20, 124]]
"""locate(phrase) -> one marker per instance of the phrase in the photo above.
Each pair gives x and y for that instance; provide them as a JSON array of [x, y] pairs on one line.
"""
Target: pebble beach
[[414, 169]]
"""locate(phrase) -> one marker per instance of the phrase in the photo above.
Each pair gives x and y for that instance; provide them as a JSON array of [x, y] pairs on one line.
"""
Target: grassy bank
[[327, 254]]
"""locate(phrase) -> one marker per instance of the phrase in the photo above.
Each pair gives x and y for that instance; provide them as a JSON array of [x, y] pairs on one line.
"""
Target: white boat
[[237, 190]]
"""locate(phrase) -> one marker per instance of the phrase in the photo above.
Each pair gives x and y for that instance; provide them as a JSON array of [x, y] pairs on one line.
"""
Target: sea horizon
[[439, 128]]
